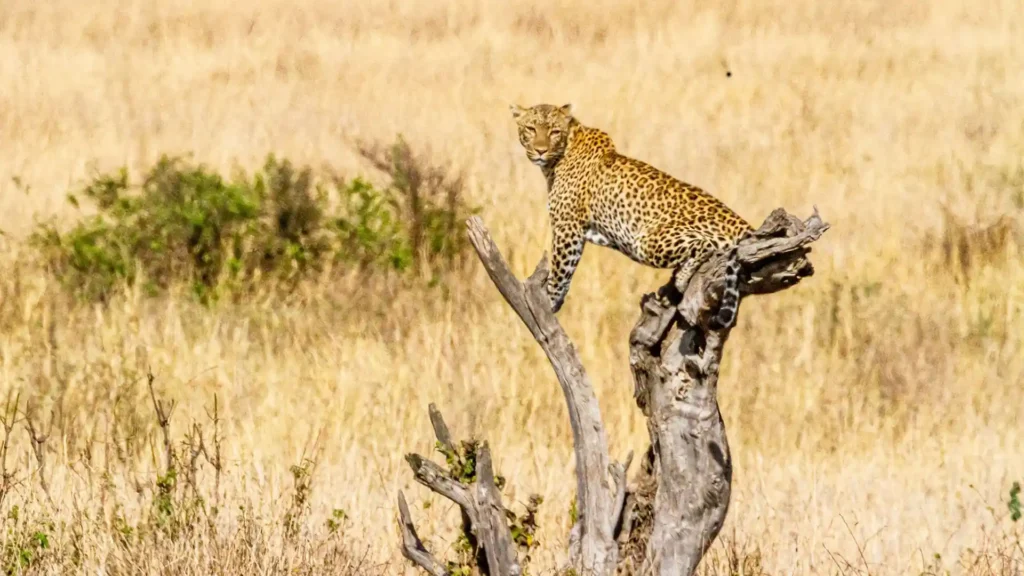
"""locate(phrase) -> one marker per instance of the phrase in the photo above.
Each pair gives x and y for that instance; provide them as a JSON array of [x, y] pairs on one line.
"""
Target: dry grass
[[874, 412]]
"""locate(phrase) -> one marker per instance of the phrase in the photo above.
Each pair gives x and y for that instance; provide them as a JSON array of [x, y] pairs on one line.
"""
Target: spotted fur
[[599, 196]]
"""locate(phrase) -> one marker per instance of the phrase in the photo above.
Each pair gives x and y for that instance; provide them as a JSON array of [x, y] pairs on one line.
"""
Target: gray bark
[[675, 355], [412, 546], [480, 503], [592, 548], [666, 522]]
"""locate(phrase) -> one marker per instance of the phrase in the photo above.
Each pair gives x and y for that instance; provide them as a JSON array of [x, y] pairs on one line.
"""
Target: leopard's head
[[543, 131]]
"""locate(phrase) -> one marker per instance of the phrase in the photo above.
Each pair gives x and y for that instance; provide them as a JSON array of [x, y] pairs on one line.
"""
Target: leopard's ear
[[566, 109], [517, 110]]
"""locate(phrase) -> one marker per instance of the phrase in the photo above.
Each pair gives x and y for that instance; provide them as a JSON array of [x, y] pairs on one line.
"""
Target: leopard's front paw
[[556, 305], [556, 301]]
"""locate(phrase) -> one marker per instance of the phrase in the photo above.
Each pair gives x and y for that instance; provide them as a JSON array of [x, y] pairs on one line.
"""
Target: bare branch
[[626, 518], [164, 410], [437, 479], [37, 437], [484, 517], [8, 420], [444, 437], [618, 472], [412, 546], [196, 446], [215, 460], [491, 528], [440, 428], [597, 550]]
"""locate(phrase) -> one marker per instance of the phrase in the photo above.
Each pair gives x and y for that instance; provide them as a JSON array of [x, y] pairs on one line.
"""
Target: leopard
[[600, 196]]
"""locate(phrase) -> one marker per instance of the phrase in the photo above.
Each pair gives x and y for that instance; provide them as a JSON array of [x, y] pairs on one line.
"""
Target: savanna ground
[[874, 411]]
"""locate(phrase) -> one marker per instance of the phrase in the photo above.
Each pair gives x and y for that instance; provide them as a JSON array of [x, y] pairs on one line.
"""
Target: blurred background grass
[[873, 411]]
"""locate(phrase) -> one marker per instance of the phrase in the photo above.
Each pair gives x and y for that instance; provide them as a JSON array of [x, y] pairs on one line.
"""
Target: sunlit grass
[[873, 411]]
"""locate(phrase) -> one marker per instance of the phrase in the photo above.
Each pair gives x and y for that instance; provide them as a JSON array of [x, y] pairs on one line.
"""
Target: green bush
[[430, 201], [186, 224]]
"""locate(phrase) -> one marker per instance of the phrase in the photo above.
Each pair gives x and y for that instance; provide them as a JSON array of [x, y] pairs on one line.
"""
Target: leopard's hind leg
[[696, 255], [730, 301]]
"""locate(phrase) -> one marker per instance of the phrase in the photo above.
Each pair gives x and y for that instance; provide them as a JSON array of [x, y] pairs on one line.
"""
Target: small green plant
[[933, 566], [336, 521], [462, 462], [427, 198], [25, 544], [163, 498], [302, 491], [524, 528], [370, 232], [465, 554], [123, 530], [1014, 503]]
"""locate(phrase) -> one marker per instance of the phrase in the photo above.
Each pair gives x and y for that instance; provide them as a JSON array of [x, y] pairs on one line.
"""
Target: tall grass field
[[233, 274]]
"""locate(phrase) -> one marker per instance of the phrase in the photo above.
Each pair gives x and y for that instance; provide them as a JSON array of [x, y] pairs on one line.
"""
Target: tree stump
[[665, 522]]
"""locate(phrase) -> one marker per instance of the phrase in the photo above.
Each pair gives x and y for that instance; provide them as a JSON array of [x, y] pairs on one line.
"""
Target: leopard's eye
[[556, 132]]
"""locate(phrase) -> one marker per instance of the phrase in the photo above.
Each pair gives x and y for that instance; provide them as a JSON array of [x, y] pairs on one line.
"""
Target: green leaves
[[461, 461], [1015, 504], [24, 543], [188, 225]]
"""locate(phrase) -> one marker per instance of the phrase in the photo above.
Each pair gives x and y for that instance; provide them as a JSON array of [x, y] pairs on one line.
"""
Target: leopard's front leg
[[566, 250]]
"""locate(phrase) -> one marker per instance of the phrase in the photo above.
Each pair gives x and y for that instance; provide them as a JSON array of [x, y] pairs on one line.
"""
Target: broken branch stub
[[412, 546], [771, 258]]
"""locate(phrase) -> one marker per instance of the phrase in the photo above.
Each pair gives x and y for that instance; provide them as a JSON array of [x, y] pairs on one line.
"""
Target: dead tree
[[667, 519]]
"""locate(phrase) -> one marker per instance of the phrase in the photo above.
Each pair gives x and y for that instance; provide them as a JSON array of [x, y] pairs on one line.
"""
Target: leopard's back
[[646, 214]]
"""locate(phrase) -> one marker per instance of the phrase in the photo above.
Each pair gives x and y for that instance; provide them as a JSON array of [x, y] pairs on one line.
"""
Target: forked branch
[[479, 499]]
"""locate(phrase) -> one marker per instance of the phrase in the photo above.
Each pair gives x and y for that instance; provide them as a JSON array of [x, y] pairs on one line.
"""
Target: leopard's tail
[[729, 305]]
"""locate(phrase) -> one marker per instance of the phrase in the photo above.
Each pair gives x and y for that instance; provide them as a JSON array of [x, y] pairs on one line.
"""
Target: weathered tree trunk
[[675, 352], [676, 508]]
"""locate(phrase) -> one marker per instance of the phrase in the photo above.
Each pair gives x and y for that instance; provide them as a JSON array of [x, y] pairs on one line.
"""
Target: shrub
[[186, 224], [428, 200]]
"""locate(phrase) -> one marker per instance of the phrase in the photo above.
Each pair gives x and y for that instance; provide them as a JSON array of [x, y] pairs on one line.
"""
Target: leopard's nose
[[540, 149]]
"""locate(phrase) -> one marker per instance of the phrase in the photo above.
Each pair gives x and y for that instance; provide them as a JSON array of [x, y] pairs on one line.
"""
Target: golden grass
[[874, 411]]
